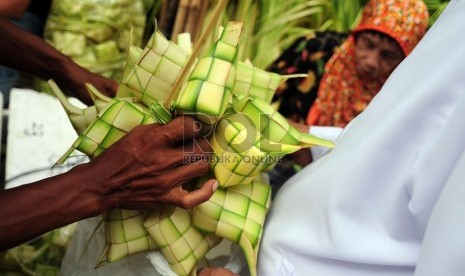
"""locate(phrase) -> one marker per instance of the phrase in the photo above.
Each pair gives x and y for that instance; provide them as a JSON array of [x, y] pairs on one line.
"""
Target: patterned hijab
[[342, 95]]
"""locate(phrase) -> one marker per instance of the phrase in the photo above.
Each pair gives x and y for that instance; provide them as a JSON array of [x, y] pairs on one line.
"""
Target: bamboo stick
[[200, 20], [217, 12], [181, 18], [192, 18], [167, 17]]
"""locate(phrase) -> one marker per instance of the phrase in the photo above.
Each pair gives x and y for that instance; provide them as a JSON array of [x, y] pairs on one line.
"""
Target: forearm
[[141, 171], [29, 53], [31, 210], [13, 8]]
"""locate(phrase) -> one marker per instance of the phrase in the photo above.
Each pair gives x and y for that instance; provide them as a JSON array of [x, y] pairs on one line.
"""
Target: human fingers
[[110, 88], [77, 90], [195, 149], [170, 178], [215, 271], [105, 85], [181, 128], [188, 199], [80, 92], [167, 158], [177, 196]]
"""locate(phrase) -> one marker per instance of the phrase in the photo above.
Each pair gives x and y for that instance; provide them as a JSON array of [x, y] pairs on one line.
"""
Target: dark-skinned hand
[[148, 167]]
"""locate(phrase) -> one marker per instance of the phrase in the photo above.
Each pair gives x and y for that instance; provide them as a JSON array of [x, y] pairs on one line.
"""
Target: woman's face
[[376, 55]]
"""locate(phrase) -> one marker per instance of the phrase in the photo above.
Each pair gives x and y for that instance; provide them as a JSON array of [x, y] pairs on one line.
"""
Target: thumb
[[195, 197]]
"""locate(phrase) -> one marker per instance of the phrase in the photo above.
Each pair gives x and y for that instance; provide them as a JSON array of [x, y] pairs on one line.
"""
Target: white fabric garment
[[325, 132], [389, 199]]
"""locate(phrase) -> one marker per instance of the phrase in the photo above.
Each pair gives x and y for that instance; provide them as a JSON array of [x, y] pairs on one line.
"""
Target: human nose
[[372, 61]]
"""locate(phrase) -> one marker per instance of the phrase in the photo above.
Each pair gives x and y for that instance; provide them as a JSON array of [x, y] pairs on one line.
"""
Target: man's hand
[[148, 167], [13, 9], [215, 271], [144, 169], [73, 83], [29, 53]]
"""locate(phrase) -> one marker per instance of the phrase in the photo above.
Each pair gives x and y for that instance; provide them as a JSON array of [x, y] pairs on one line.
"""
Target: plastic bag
[[86, 247]]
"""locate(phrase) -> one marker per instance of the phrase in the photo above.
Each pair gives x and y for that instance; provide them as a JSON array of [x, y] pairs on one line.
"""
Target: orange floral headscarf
[[342, 95]]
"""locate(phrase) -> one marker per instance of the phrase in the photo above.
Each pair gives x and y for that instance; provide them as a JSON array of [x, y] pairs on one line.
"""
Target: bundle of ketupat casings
[[247, 137], [94, 33]]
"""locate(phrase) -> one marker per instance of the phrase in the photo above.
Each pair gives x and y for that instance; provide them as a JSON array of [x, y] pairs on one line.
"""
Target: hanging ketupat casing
[[153, 75], [275, 128], [237, 213], [180, 242], [255, 82], [207, 92], [115, 120], [253, 138], [125, 235], [80, 118]]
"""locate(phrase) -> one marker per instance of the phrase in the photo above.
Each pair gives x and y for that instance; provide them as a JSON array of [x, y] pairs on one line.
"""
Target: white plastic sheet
[[39, 132]]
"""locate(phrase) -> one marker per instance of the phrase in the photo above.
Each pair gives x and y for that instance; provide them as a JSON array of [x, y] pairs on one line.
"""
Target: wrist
[[89, 189], [60, 67]]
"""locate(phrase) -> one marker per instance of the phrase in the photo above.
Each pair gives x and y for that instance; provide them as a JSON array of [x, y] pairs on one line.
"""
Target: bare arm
[[31, 54], [13, 8], [141, 171]]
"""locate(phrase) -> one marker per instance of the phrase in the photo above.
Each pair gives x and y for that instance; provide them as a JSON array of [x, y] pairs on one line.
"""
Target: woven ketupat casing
[[81, 118], [125, 235], [255, 82], [237, 159], [207, 92], [153, 75], [180, 242], [252, 140], [115, 120], [237, 213], [278, 135], [112, 124]]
